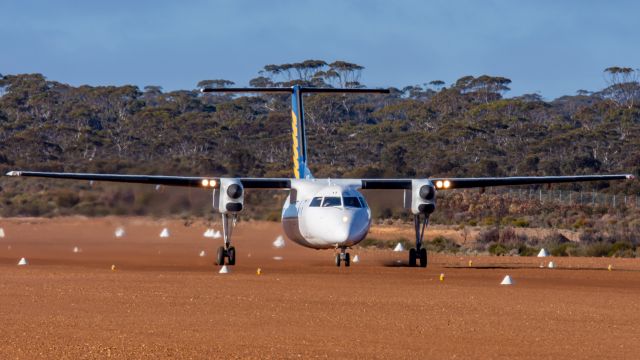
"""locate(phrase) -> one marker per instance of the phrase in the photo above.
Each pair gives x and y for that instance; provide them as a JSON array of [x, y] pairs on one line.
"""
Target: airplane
[[320, 213]]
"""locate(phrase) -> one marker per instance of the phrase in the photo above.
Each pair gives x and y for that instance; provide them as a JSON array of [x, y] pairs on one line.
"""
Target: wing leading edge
[[189, 181], [285, 183], [465, 183]]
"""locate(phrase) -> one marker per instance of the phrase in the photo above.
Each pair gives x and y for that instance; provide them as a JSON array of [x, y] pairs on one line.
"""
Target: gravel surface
[[166, 301]]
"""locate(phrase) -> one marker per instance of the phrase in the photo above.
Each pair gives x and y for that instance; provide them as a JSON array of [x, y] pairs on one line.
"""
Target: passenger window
[[315, 202], [331, 201], [352, 201]]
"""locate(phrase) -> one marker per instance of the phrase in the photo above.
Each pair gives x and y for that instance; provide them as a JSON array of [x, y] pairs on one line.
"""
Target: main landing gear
[[227, 251], [419, 252], [343, 256]]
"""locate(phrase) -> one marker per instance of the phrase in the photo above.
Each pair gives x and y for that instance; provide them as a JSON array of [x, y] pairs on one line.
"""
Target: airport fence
[[589, 198]]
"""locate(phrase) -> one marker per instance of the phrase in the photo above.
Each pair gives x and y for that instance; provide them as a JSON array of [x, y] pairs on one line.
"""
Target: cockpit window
[[331, 201], [364, 203], [316, 202], [352, 201]]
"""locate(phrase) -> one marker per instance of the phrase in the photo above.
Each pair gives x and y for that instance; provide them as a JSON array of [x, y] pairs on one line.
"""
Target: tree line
[[466, 128]]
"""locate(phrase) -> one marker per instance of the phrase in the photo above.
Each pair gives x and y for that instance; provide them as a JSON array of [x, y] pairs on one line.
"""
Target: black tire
[[338, 260], [423, 257], [220, 256], [347, 260], [412, 257], [231, 254]]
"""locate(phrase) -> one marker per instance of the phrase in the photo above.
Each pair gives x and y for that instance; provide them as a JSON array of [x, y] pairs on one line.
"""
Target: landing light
[[439, 184], [208, 183], [447, 184], [345, 219]]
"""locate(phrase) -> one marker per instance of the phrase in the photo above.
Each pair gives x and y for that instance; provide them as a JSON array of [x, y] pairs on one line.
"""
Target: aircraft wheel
[[231, 253], [423, 257], [338, 260], [412, 257], [347, 260], [220, 256]]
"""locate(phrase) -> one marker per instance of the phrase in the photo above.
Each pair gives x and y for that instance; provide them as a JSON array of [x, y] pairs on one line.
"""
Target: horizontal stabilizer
[[301, 89]]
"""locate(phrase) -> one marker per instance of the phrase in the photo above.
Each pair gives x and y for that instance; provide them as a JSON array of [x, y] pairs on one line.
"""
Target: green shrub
[[520, 222], [564, 249], [373, 242], [442, 244], [489, 236], [524, 250], [274, 216], [622, 249], [498, 249], [66, 198], [598, 249]]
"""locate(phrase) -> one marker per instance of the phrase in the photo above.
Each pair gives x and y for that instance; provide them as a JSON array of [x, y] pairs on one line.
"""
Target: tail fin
[[298, 134]]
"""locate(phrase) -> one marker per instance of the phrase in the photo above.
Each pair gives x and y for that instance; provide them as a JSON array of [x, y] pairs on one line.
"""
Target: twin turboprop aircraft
[[320, 213]]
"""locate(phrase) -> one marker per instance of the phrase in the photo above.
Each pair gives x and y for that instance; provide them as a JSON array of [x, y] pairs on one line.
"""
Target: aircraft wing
[[463, 183], [189, 181], [285, 183]]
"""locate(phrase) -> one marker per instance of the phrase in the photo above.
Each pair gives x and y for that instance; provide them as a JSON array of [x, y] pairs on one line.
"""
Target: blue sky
[[550, 47]]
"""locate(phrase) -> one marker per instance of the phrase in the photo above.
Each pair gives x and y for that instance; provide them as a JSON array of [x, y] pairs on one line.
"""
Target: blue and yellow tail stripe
[[298, 135]]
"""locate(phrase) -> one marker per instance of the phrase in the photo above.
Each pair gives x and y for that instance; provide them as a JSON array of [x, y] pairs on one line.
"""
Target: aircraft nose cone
[[340, 231]]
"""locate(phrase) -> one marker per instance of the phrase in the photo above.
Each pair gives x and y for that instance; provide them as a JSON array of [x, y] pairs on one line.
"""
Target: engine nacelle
[[229, 198], [422, 198]]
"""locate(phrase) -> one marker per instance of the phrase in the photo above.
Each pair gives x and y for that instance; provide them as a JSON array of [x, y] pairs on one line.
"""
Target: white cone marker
[[1, 232], [164, 233], [279, 242], [119, 232], [398, 247], [23, 262], [551, 265], [356, 259], [202, 253], [543, 253], [224, 270], [507, 281]]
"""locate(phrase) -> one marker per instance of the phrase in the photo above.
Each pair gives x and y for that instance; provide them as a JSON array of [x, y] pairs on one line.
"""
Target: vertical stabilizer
[[300, 169]]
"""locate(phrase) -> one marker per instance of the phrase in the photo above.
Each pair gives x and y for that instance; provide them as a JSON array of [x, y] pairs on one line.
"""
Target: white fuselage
[[323, 214]]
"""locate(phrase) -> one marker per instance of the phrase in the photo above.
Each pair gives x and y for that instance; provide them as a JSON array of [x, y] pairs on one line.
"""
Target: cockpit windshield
[[352, 201], [337, 201], [330, 201], [316, 201]]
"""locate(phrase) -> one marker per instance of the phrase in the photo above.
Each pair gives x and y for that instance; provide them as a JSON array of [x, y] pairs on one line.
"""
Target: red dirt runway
[[165, 301]]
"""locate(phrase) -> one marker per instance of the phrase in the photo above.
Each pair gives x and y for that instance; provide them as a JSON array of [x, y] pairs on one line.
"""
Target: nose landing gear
[[343, 255], [227, 251], [419, 252]]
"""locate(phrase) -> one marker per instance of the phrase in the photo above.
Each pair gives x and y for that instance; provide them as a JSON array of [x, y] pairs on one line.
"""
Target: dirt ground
[[166, 301]]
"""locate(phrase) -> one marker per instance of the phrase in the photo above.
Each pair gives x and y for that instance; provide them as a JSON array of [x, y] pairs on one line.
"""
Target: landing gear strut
[[419, 252], [343, 255], [227, 251]]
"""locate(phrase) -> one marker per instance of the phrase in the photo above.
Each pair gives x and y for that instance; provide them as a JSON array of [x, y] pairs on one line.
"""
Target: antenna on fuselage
[[298, 133]]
